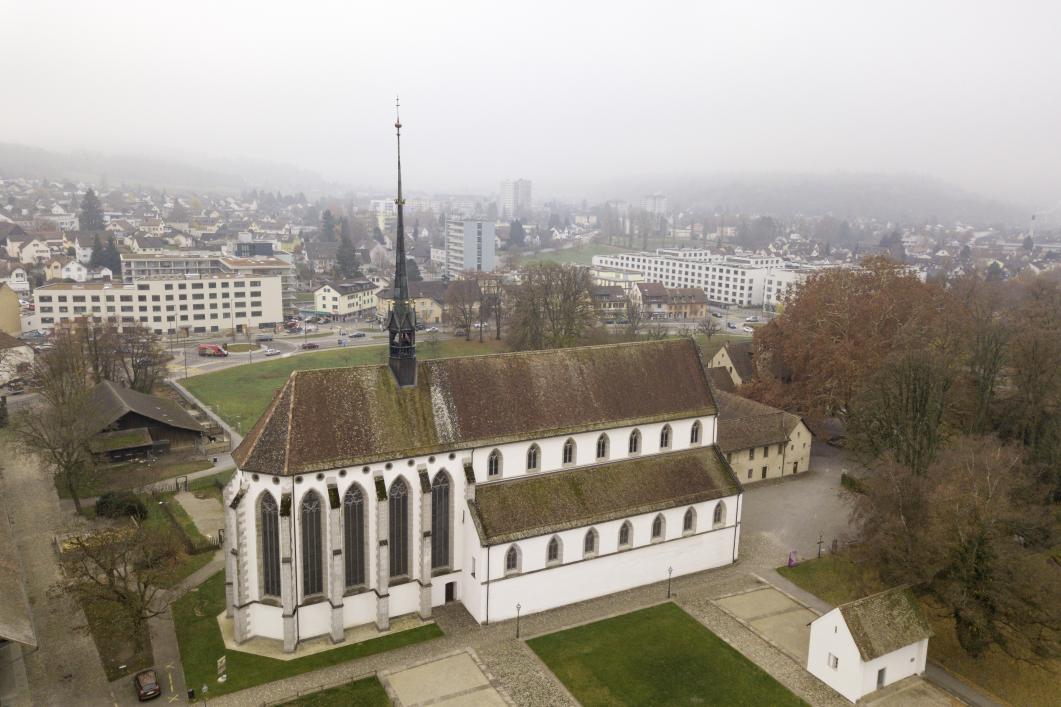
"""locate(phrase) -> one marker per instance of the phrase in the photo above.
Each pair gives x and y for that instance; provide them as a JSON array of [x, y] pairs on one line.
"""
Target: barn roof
[[327, 418], [744, 423], [885, 622], [110, 402], [741, 353], [546, 503]]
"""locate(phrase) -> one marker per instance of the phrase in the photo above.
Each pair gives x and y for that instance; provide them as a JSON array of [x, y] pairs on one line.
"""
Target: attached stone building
[[761, 442], [738, 360]]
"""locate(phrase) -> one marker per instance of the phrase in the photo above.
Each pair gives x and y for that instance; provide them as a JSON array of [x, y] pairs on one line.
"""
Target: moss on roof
[[546, 503], [885, 622], [744, 423], [120, 439], [328, 418]]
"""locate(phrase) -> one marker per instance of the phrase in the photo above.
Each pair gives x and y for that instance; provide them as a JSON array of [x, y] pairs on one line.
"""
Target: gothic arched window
[[664, 437], [533, 458], [657, 527], [311, 516], [589, 543], [694, 434], [569, 452], [398, 506], [602, 447], [720, 513], [512, 559], [493, 464], [269, 523], [354, 536], [689, 521], [440, 521], [553, 552], [635, 442], [626, 535]]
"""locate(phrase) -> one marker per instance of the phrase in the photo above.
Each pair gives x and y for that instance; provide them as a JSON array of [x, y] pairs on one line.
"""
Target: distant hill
[[222, 176], [898, 198]]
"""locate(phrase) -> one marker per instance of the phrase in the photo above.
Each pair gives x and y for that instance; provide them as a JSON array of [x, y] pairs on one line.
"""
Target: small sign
[[221, 665]]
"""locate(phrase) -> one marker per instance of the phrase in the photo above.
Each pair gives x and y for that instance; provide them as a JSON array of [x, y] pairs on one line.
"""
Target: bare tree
[[462, 305], [656, 331], [635, 320], [59, 436], [708, 326], [125, 567], [551, 307]]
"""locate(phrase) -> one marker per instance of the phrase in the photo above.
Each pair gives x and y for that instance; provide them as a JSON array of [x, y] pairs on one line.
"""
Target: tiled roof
[[546, 503], [740, 354], [328, 418], [721, 379], [744, 423], [110, 402], [885, 622]]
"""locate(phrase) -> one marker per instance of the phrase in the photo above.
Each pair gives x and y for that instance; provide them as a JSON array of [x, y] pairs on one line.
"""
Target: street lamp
[[670, 571], [518, 607]]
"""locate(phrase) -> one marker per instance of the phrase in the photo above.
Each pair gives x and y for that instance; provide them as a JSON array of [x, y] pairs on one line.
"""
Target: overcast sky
[[567, 94]]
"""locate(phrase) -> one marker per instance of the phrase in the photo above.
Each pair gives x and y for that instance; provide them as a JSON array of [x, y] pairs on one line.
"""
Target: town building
[[669, 303], [500, 481], [737, 359], [515, 199], [10, 311], [342, 300], [16, 357], [761, 442], [469, 246], [14, 276], [865, 645], [738, 280], [212, 303], [609, 303], [427, 298]]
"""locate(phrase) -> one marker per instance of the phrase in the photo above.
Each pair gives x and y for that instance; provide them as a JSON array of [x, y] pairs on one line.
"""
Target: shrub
[[120, 504], [851, 483]]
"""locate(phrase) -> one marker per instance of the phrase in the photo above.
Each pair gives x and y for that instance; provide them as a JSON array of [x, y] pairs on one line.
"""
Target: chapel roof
[[721, 379], [327, 418], [885, 622], [540, 504]]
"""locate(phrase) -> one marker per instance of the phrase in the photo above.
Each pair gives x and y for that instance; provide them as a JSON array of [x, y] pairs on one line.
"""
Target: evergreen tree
[[516, 234], [112, 259], [344, 228], [1028, 244], [346, 258], [413, 270], [91, 218], [97, 252], [327, 227]]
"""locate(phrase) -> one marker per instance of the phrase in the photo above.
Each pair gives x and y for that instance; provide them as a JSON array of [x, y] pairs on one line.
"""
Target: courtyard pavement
[[455, 681]]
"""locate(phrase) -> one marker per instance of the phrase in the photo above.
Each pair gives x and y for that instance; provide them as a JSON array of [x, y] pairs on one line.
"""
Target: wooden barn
[[133, 424]]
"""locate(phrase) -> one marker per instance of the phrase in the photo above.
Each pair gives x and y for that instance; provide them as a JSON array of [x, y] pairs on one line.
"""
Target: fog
[[568, 94]]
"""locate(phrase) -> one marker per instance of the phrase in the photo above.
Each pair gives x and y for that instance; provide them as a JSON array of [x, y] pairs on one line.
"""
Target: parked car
[[343, 342], [716, 315], [272, 352], [262, 338], [358, 335], [752, 318], [747, 329], [731, 325], [146, 684], [420, 326], [309, 346], [431, 329]]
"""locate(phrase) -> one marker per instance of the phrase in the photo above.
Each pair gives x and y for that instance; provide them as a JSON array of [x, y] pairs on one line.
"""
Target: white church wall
[[514, 455], [313, 620], [404, 598], [359, 609], [438, 587], [908, 660], [266, 621], [538, 587]]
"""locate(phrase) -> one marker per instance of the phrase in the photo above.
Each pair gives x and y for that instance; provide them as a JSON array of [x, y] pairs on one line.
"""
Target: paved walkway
[[457, 680], [207, 513], [66, 669]]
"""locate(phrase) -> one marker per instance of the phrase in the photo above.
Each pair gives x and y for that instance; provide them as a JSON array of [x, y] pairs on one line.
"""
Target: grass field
[[240, 394], [579, 255], [367, 692], [195, 618], [655, 656], [837, 580]]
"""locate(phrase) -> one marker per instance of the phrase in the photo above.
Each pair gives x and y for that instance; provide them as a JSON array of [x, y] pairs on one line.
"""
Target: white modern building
[[515, 198], [345, 299], [741, 280], [211, 303], [469, 246], [865, 645], [536, 478]]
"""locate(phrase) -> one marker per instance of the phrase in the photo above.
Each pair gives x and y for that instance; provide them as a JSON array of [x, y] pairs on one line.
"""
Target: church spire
[[401, 323]]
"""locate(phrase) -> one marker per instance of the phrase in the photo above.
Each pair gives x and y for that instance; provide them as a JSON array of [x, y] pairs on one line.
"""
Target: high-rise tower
[[401, 323]]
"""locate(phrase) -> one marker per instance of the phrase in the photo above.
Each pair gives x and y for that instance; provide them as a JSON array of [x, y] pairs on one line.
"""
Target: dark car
[[358, 335], [309, 345], [263, 337], [146, 683]]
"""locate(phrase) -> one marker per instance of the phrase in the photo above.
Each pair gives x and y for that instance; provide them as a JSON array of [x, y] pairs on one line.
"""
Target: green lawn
[[240, 394], [195, 618], [579, 255], [655, 656], [130, 475], [367, 692], [836, 580]]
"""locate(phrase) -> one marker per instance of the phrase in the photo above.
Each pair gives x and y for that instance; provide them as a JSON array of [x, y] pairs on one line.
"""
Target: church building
[[535, 479]]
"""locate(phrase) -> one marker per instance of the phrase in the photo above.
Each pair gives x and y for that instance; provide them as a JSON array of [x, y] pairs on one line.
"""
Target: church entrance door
[[451, 590]]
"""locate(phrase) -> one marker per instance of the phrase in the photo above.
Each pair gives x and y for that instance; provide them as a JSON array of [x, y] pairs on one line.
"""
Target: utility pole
[[820, 545]]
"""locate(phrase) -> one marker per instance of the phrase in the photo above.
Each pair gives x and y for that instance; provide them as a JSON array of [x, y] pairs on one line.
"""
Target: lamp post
[[670, 571], [518, 607], [820, 544]]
